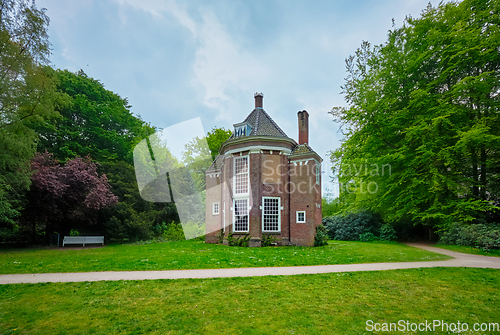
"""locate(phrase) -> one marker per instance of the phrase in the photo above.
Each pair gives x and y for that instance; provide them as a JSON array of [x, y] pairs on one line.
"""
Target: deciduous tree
[[425, 104]]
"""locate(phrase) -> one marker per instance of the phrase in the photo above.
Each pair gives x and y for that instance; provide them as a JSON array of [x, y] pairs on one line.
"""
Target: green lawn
[[337, 303], [469, 250], [199, 255]]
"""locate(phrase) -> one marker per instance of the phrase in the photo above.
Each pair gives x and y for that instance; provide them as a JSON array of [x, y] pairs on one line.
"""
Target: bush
[[349, 227], [238, 241], [387, 233], [478, 235], [368, 237], [321, 237], [267, 240], [174, 232]]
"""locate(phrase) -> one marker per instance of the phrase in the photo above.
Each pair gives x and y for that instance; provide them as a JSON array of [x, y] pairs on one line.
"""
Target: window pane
[[241, 175], [271, 214], [241, 215]]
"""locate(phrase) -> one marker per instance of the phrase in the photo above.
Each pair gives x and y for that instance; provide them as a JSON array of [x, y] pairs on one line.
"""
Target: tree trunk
[[483, 173], [475, 189]]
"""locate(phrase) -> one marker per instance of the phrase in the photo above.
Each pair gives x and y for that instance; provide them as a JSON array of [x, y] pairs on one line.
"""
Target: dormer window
[[242, 129]]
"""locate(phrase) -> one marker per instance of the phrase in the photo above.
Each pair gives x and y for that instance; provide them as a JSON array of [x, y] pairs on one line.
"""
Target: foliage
[[321, 237], [220, 237], [66, 196], [199, 154], [387, 233], [27, 94], [349, 227], [215, 138], [239, 241], [485, 237], [268, 240], [331, 207], [422, 131], [194, 230], [174, 232], [95, 122], [368, 237], [133, 218]]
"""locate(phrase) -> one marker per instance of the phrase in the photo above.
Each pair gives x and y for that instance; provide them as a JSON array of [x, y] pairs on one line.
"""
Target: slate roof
[[217, 164], [262, 124], [302, 149]]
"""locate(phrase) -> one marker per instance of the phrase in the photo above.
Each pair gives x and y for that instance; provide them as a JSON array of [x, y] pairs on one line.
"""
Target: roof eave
[[305, 155], [254, 138]]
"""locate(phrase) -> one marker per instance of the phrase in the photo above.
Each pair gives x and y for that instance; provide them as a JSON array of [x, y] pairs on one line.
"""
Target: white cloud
[[220, 65]]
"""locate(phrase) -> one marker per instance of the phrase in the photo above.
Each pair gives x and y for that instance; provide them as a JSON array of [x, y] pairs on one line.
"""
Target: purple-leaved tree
[[66, 196]]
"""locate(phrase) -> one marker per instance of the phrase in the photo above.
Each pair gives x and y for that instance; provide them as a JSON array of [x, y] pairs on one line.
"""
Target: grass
[[337, 303], [469, 250], [199, 255]]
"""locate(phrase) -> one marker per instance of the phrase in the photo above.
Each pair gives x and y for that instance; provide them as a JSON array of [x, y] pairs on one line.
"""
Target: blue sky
[[175, 60]]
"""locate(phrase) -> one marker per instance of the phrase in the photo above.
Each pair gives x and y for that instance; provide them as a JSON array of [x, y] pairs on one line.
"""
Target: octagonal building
[[264, 183]]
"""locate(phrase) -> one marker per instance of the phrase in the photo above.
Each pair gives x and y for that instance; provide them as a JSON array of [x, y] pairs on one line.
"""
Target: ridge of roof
[[262, 124]]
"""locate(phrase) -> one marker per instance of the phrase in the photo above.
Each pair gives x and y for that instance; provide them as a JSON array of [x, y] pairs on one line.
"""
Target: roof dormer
[[242, 129]]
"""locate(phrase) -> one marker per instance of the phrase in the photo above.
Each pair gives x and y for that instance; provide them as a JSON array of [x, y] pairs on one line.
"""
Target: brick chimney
[[303, 127], [258, 99]]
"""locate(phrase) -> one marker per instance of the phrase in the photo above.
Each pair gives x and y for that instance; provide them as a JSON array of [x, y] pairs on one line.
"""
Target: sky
[[179, 60]]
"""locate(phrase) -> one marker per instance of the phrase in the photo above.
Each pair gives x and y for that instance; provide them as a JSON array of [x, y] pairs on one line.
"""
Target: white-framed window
[[318, 172], [271, 214], [215, 208], [301, 217], [241, 180], [240, 215]]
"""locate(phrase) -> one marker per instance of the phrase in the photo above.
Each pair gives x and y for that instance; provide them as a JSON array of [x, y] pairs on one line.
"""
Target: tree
[[215, 138], [66, 196], [27, 94], [95, 122], [198, 151], [424, 106]]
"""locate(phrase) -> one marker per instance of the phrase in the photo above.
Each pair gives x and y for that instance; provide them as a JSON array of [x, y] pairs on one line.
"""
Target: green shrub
[[477, 235], [368, 237], [387, 233], [349, 227], [238, 241], [268, 239], [220, 236], [193, 229], [174, 232], [321, 237]]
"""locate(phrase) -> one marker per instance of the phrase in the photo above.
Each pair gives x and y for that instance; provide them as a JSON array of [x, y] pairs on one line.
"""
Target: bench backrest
[[94, 239], [83, 239], [74, 238]]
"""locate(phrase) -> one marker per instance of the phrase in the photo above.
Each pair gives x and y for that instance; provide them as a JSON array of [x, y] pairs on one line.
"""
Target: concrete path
[[460, 260]]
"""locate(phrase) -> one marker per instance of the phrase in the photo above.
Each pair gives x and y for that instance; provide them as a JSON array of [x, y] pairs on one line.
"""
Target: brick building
[[264, 183]]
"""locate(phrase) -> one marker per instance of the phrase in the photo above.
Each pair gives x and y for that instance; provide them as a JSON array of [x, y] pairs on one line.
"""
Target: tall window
[[215, 208], [241, 175], [271, 218], [240, 215], [318, 172]]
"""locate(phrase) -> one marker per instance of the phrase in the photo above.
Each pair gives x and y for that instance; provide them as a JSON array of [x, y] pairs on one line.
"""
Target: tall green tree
[[422, 127], [215, 138], [27, 95], [95, 122]]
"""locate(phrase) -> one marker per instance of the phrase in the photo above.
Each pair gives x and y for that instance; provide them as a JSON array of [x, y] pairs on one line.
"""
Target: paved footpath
[[460, 260]]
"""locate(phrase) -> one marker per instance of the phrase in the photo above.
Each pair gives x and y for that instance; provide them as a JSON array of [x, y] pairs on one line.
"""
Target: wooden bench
[[83, 240]]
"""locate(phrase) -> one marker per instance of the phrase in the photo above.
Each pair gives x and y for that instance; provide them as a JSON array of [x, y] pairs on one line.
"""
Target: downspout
[[289, 208]]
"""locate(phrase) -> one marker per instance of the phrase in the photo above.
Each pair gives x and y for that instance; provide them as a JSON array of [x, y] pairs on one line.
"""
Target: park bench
[[83, 240]]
